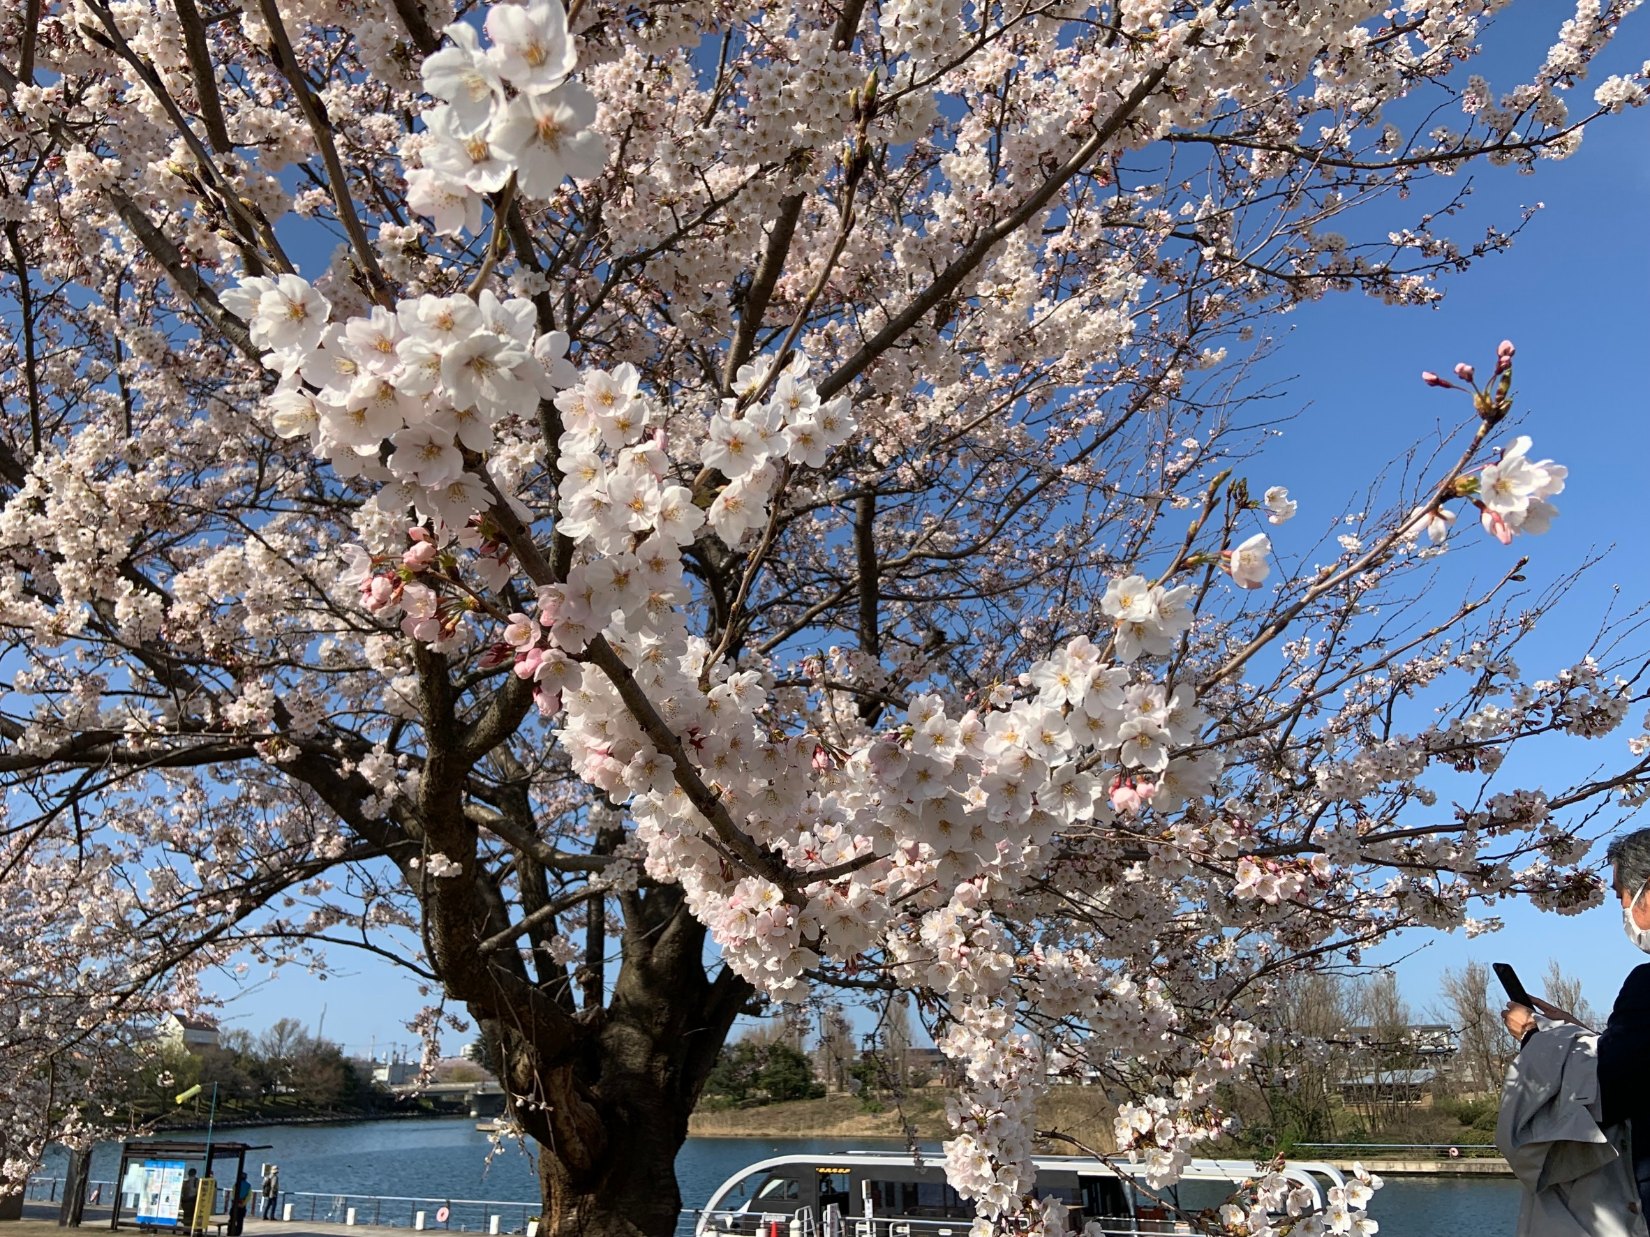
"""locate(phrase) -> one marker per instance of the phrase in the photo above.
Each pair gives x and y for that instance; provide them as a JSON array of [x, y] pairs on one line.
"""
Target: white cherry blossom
[[1248, 562]]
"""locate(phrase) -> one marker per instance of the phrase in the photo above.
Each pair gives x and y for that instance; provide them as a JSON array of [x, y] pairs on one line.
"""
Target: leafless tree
[[1564, 991], [1466, 1003]]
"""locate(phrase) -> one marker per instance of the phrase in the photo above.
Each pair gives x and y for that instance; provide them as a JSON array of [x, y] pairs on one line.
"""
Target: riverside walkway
[[40, 1220]]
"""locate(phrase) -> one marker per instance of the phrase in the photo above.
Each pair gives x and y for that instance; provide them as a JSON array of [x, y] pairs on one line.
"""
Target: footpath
[[40, 1220]]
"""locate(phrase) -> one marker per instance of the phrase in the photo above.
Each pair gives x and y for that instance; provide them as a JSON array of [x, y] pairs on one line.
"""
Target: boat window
[[833, 1188], [1103, 1196], [780, 1189], [933, 1200]]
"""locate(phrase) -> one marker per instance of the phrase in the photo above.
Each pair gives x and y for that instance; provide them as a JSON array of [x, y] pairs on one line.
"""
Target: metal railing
[[1450, 1150], [50, 1190], [459, 1215]]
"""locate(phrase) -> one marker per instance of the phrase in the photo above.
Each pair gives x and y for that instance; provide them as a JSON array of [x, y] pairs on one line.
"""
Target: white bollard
[[492, 1226], [418, 1221], [349, 1216], [286, 1213], [796, 1227]]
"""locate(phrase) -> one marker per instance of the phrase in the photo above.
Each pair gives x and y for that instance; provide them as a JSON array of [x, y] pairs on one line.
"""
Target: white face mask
[[1639, 936]]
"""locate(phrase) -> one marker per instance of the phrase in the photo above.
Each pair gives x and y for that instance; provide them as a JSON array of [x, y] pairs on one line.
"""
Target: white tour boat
[[870, 1194]]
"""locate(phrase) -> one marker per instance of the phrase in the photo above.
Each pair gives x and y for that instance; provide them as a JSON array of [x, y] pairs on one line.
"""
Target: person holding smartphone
[[1624, 1045]]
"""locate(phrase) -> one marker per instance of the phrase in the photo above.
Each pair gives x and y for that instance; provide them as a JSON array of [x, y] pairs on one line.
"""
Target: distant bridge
[[483, 1099]]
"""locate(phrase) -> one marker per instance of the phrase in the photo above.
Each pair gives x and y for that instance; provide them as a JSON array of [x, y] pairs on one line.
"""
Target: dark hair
[[1630, 854]]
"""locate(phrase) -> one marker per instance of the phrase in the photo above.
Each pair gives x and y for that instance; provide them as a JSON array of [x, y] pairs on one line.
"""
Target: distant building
[[1390, 1086], [191, 1034], [1076, 1073], [930, 1066], [394, 1071]]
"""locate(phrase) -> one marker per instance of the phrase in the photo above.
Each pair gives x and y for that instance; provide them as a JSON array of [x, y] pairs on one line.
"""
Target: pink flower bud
[[1495, 526], [1463, 371], [420, 556], [418, 533], [377, 593], [496, 655], [1433, 380], [1125, 798], [527, 662], [1505, 350]]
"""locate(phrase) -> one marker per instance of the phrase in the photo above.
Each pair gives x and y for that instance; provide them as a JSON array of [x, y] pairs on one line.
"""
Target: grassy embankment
[[922, 1112], [1081, 1110]]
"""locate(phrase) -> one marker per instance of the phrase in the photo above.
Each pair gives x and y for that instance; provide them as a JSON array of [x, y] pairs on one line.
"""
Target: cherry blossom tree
[[555, 496]]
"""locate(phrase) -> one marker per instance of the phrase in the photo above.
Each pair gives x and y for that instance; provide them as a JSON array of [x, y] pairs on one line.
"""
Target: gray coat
[[1578, 1178]]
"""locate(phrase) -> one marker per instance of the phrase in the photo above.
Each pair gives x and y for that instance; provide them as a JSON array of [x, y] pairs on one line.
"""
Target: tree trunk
[[628, 1188], [611, 1113]]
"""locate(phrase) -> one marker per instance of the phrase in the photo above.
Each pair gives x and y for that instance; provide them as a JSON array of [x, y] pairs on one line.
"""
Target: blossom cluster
[[989, 1157], [1276, 1206], [508, 110], [430, 378], [921, 29], [1513, 493]]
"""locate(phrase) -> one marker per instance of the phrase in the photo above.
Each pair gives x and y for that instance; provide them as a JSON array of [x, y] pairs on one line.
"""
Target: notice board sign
[[160, 1190]]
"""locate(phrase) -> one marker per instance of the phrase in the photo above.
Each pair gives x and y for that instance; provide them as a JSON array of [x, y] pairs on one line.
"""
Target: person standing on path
[[1623, 1084], [186, 1201], [240, 1198], [272, 1189]]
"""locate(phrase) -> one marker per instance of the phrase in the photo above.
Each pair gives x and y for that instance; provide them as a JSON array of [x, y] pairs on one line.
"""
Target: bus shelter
[[152, 1172]]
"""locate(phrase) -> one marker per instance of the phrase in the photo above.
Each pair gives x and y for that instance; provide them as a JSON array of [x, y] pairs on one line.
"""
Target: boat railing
[[770, 1225], [777, 1223]]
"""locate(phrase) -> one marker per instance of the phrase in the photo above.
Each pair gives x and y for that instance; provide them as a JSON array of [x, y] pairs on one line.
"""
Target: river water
[[443, 1161]]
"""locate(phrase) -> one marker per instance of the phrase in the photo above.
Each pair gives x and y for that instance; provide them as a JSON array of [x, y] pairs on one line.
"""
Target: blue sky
[[1574, 294]]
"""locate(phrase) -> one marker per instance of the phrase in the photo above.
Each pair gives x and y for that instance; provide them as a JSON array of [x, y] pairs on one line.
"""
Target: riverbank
[[321, 1118], [921, 1115], [918, 1114]]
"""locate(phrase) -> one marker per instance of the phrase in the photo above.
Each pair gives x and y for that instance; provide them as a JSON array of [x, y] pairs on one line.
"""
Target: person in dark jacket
[[239, 1200], [1624, 1044], [186, 1202], [272, 1189]]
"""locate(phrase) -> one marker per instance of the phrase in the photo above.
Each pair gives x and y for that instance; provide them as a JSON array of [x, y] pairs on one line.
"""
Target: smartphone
[[1515, 989]]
